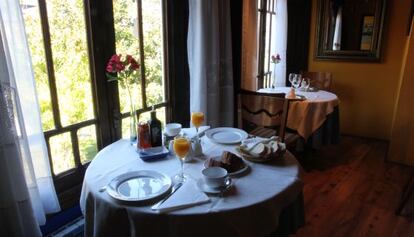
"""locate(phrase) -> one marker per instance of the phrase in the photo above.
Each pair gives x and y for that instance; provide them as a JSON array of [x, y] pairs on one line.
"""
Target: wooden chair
[[263, 114], [320, 80]]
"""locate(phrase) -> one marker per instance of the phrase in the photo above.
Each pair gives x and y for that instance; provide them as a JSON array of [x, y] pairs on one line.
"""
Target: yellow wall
[[368, 91], [402, 135]]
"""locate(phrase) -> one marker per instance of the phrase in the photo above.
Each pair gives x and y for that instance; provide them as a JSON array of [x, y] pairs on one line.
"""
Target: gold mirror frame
[[323, 53]]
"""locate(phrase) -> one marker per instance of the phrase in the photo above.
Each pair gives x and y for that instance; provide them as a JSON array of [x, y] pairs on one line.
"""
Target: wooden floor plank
[[351, 191]]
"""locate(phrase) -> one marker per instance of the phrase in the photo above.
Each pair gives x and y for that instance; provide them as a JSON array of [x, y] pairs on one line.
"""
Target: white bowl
[[172, 129]]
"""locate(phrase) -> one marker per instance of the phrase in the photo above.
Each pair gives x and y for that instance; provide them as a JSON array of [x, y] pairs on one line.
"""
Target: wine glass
[[296, 82], [181, 148], [299, 78], [291, 77], [197, 118], [305, 83]]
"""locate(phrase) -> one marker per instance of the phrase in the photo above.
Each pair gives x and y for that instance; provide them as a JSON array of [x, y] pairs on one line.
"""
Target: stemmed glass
[[197, 118], [305, 83], [292, 76], [181, 148], [297, 81]]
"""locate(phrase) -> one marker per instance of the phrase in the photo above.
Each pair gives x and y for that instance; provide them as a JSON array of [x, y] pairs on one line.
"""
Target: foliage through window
[[265, 19], [59, 40]]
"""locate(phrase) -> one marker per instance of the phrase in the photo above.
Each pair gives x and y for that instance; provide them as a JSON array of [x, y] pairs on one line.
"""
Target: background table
[[251, 208], [315, 119]]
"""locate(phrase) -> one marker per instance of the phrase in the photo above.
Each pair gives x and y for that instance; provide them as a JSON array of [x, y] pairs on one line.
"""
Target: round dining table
[[260, 198], [315, 118]]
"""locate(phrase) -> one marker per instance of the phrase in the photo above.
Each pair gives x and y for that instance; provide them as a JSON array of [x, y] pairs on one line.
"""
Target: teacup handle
[[228, 181]]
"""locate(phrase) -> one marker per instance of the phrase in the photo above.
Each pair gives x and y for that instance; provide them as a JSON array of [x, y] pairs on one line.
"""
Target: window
[[70, 43], [141, 34], [272, 40]]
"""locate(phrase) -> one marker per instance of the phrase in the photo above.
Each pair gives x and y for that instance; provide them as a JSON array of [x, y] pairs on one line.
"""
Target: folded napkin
[[291, 94], [186, 196], [191, 132], [250, 142]]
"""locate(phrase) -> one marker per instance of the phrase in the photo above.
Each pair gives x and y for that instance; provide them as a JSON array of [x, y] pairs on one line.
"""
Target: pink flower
[[124, 67], [133, 64], [115, 64], [276, 58], [109, 68]]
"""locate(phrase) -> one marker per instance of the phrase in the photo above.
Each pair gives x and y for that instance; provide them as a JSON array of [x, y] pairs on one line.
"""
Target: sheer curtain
[[210, 61], [25, 178], [278, 43]]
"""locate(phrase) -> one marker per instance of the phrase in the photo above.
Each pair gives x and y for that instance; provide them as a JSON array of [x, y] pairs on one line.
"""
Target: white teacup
[[215, 177], [172, 129]]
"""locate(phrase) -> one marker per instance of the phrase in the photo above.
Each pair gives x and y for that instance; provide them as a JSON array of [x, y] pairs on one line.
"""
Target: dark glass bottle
[[155, 129]]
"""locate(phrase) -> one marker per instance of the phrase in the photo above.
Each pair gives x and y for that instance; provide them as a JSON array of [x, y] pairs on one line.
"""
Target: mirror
[[350, 29]]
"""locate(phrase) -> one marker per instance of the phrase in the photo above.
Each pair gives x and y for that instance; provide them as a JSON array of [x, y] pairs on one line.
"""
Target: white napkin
[[191, 132], [186, 196], [249, 142], [291, 94]]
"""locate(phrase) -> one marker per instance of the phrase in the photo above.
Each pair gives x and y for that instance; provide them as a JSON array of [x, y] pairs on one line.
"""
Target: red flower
[[276, 58], [133, 64], [109, 68], [115, 64], [124, 68]]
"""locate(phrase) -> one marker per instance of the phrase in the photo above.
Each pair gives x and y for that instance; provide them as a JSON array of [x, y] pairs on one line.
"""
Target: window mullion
[[75, 148], [49, 63], [268, 13], [262, 42], [141, 55]]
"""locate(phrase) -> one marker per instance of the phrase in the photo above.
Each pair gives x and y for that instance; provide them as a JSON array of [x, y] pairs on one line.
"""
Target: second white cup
[[215, 177]]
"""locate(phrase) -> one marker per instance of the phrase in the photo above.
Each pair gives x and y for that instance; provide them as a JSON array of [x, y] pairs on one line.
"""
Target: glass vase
[[132, 123]]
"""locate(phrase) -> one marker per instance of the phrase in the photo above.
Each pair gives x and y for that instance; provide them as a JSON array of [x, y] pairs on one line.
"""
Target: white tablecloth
[[307, 116], [250, 208]]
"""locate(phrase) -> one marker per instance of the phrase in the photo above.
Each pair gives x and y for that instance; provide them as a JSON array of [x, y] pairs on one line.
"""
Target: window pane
[[31, 17], [126, 39], [160, 115], [70, 58], [153, 47], [126, 132], [87, 143], [62, 153]]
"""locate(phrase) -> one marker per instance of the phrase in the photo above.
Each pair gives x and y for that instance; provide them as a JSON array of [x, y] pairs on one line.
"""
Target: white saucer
[[207, 189]]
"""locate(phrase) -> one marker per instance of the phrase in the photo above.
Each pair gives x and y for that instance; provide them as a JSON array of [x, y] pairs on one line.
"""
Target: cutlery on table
[[174, 188]]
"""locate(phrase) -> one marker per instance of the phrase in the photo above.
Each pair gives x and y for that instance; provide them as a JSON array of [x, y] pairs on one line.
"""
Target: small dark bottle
[[155, 129]]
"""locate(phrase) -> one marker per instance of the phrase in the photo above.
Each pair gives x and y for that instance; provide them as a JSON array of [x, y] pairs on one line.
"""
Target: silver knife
[[174, 188], [201, 134]]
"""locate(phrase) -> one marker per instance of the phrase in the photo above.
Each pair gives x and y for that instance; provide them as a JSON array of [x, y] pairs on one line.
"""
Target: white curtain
[[21, 128], [210, 61], [338, 31], [279, 41]]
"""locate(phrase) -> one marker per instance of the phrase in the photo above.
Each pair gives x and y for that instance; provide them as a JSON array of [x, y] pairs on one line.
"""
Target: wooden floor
[[351, 191]]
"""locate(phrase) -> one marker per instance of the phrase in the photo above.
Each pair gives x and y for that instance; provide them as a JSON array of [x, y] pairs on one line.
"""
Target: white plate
[[207, 189], [226, 135], [310, 89], [139, 185], [218, 158]]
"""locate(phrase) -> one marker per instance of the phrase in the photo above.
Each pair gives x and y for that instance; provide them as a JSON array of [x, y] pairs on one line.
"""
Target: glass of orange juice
[[197, 118], [181, 148]]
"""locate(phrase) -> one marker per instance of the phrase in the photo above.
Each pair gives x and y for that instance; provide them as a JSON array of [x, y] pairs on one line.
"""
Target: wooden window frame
[[100, 35], [264, 74]]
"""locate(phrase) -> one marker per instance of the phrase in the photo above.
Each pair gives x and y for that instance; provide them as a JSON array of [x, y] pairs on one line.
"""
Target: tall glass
[[181, 148], [291, 77], [197, 118]]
